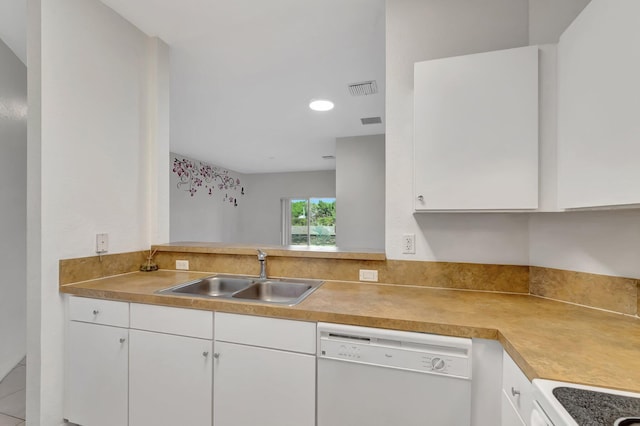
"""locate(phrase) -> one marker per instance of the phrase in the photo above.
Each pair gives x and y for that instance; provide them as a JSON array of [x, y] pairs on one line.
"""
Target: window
[[309, 221]]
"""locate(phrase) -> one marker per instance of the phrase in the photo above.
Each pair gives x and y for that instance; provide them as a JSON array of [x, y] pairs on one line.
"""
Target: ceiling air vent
[[364, 88], [371, 120]]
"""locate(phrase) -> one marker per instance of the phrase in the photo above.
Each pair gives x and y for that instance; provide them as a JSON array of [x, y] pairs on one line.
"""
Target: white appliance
[[538, 416], [548, 410], [375, 377]]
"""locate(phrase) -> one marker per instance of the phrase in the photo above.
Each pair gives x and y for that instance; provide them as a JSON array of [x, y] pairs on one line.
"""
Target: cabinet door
[[170, 380], [516, 387], [257, 386], [510, 416], [476, 131], [599, 106], [97, 363]]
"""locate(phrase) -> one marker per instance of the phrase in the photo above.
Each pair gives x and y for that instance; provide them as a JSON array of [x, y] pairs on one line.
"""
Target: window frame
[[285, 225]]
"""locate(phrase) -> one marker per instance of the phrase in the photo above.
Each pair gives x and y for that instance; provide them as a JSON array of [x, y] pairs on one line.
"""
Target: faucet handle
[[261, 255]]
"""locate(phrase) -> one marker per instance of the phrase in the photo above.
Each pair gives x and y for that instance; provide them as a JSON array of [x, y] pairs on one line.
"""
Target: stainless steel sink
[[212, 286], [249, 289], [275, 292]]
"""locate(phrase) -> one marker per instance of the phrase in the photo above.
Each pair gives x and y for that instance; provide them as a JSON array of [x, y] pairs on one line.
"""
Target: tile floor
[[13, 396]]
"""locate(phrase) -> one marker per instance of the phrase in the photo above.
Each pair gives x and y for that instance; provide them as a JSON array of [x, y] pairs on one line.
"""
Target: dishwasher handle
[[349, 337]]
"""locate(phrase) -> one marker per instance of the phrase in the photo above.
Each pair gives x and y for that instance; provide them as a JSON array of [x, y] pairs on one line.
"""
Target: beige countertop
[[546, 338]]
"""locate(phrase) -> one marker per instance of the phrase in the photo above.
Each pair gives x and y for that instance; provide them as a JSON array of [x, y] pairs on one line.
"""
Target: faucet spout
[[262, 258]]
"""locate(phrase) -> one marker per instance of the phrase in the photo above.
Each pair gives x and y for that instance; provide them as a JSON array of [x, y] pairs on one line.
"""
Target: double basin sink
[[248, 289]]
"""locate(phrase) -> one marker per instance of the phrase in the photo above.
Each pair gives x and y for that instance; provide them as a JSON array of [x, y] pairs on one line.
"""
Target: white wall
[[261, 213], [360, 183], [91, 163], [13, 209], [419, 30], [600, 242], [204, 217], [256, 219], [156, 147]]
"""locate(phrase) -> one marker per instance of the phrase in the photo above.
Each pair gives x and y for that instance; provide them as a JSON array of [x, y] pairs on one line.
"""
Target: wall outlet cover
[[182, 265], [409, 244]]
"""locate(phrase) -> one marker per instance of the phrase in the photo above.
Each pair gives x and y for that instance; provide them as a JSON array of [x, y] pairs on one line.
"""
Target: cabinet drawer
[[107, 312], [288, 335], [516, 387], [164, 319]]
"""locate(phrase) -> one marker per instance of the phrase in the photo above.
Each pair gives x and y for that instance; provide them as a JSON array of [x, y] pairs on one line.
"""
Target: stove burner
[[628, 421], [591, 408]]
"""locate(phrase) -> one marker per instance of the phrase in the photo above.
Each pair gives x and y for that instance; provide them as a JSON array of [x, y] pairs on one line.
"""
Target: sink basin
[[249, 289], [275, 292], [212, 286]]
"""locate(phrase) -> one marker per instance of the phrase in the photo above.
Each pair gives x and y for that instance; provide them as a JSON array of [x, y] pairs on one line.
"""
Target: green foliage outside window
[[322, 213], [314, 216]]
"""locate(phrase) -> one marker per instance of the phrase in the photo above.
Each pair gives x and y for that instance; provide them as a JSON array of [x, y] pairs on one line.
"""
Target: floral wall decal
[[194, 175]]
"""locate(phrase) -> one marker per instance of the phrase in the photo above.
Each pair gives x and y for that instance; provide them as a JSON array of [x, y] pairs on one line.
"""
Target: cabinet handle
[[420, 198], [216, 355], [205, 354], [122, 340], [96, 312], [514, 391]]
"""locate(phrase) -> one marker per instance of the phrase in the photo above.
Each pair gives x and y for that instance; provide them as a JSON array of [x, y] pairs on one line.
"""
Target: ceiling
[[243, 73], [13, 26]]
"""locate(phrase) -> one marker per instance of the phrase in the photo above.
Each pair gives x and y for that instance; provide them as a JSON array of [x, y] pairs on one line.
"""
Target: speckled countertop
[[547, 339]]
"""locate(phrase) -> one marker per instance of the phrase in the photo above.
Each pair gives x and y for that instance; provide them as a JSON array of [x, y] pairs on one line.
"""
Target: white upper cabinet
[[476, 132], [599, 107]]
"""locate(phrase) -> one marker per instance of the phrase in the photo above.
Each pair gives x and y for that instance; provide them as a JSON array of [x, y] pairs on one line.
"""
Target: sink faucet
[[262, 258]]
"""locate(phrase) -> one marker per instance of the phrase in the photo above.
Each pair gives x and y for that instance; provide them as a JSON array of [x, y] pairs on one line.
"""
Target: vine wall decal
[[194, 175]]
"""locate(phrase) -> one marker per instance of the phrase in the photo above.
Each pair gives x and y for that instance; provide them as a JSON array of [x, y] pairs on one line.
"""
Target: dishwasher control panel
[[418, 352]]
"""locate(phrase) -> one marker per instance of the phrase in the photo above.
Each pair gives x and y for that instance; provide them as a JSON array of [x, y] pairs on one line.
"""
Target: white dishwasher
[[375, 377]]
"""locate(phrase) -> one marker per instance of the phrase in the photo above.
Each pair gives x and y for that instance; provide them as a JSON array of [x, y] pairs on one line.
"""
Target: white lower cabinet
[[510, 416], [138, 365], [170, 367], [517, 396], [96, 366], [141, 365], [255, 384], [170, 380]]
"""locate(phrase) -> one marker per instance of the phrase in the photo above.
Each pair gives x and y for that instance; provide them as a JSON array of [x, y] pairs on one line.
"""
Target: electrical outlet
[[102, 243], [409, 244], [182, 265], [369, 275]]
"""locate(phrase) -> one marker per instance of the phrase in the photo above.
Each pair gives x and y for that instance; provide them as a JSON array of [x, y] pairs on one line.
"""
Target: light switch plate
[[102, 243], [369, 275], [182, 265]]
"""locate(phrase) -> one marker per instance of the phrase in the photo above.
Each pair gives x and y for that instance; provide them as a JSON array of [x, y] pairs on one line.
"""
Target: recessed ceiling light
[[321, 105]]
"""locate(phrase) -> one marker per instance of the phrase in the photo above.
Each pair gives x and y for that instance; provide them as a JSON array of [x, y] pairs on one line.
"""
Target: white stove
[[569, 404]]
